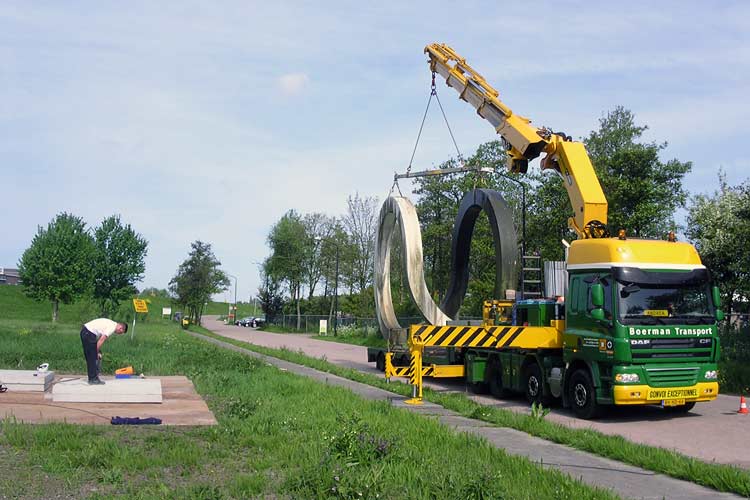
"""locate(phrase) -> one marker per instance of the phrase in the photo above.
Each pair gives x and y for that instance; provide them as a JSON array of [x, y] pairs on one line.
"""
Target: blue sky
[[208, 120]]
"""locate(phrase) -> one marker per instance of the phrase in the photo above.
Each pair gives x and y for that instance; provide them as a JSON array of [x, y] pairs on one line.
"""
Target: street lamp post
[[235, 295], [336, 295]]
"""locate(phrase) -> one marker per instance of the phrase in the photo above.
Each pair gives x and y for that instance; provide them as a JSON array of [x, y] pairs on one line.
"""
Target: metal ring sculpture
[[397, 210], [506, 246]]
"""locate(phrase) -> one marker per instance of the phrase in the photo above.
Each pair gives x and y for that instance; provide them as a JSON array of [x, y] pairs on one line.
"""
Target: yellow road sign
[[140, 306]]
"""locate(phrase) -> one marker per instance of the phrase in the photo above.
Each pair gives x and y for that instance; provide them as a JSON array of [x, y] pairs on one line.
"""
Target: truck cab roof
[[605, 253]]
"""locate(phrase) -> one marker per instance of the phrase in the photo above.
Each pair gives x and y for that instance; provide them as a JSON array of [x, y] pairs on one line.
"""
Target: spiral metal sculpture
[[398, 211]]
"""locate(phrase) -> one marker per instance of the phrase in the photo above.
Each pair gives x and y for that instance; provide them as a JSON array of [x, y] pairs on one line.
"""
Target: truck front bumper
[[647, 395]]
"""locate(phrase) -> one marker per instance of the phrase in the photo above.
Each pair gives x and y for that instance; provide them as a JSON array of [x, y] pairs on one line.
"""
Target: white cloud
[[293, 83]]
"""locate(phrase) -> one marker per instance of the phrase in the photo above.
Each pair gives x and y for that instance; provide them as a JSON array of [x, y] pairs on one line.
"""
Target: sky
[[209, 120]]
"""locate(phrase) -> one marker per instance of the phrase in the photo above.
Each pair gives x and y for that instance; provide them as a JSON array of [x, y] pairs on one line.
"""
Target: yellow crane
[[525, 142]]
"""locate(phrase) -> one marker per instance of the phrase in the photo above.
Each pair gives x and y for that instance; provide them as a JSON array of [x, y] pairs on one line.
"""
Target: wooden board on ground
[[26, 380], [181, 405], [128, 390]]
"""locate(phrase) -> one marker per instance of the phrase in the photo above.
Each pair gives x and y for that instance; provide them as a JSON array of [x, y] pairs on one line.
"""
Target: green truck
[[638, 327]]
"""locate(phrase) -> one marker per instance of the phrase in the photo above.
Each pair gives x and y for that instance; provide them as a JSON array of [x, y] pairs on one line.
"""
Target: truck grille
[[672, 377], [699, 348]]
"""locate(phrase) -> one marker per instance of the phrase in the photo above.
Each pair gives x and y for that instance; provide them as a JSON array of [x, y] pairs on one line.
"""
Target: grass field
[[720, 477], [15, 305], [279, 435]]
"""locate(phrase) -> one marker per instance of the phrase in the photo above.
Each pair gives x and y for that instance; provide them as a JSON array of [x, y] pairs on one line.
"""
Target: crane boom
[[566, 157]]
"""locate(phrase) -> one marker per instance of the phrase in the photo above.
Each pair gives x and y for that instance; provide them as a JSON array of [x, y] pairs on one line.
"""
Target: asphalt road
[[711, 431]]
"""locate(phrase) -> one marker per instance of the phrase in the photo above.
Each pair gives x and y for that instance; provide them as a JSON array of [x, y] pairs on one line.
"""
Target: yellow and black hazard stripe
[[468, 336], [409, 371], [504, 336], [412, 372]]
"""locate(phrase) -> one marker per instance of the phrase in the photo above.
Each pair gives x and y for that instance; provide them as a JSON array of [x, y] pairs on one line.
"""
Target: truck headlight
[[627, 378], [711, 375]]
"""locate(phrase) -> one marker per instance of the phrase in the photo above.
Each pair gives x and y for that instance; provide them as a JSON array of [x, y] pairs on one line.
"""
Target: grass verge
[[717, 476], [279, 435]]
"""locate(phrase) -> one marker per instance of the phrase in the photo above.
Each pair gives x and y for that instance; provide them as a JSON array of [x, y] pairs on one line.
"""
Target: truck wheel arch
[[578, 364]]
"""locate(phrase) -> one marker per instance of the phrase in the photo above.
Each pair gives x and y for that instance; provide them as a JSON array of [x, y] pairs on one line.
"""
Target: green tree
[[197, 279], [643, 192], [360, 221], [334, 246], [269, 294], [719, 226], [119, 254], [439, 199], [289, 245], [57, 265]]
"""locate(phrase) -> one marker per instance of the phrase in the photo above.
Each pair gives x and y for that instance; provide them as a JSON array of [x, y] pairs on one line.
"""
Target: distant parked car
[[245, 321], [258, 322]]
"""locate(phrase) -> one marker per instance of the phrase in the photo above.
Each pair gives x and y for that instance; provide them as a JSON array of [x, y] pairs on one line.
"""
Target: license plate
[[673, 402], [669, 394]]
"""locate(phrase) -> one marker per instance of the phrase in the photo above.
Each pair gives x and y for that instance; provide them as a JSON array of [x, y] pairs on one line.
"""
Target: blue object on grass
[[135, 421]]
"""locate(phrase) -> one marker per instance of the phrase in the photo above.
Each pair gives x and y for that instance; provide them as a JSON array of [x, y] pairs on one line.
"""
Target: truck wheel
[[380, 362], [495, 379], [582, 395], [681, 409], [535, 386]]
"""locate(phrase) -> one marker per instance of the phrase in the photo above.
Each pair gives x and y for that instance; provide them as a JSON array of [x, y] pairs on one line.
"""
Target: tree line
[[67, 261], [306, 252], [643, 190]]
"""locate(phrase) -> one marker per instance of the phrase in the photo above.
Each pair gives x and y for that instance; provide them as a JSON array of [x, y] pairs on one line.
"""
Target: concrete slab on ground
[[26, 380], [135, 390], [625, 480], [181, 405]]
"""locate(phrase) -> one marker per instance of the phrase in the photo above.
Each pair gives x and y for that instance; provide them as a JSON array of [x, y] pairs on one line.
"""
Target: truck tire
[[582, 395], [534, 385], [380, 362], [495, 379]]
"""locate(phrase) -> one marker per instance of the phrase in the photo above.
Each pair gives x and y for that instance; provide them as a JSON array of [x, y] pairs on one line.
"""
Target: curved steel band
[[506, 247], [399, 212]]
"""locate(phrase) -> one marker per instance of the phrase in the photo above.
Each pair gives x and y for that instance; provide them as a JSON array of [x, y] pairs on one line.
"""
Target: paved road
[[711, 432]]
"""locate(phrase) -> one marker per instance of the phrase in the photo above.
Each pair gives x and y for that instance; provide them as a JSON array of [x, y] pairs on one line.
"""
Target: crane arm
[[566, 157]]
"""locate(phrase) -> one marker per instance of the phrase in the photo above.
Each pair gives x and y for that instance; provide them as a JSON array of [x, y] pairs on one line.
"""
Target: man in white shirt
[[93, 335]]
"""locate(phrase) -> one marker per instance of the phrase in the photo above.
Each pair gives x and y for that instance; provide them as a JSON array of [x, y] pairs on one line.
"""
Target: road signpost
[[139, 306]]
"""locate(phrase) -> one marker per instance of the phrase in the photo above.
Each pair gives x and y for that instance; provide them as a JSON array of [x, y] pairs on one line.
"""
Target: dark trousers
[[89, 340]]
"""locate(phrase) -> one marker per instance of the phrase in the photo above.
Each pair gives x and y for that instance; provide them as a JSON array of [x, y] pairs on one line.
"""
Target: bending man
[[93, 335]]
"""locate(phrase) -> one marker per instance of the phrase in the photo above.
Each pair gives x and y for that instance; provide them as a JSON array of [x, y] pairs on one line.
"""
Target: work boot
[[96, 381]]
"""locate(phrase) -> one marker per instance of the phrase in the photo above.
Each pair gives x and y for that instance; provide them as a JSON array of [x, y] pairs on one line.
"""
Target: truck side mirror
[[598, 313], [716, 296], [719, 315], [597, 295]]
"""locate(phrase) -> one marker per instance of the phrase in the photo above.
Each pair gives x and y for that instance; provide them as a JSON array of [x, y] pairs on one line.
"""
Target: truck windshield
[[649, 304]]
